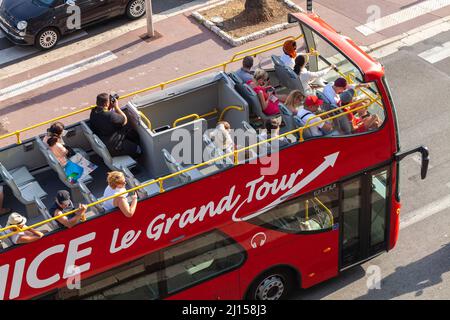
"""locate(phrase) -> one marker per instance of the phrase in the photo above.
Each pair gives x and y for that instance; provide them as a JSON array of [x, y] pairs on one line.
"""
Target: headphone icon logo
[[261, 236]]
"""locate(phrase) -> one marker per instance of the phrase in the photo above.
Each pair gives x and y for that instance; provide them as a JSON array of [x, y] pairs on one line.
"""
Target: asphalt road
[[419, 267]]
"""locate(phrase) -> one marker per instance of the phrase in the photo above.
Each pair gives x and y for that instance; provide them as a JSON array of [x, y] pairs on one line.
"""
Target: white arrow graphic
[[330, 161]]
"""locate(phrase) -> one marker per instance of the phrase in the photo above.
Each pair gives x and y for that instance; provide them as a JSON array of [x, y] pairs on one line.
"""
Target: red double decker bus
[[216, 230]]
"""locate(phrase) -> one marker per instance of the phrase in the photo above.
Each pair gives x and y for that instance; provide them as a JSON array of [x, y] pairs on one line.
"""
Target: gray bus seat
[[52, 225], [342, 123], [113, 163], [56, 166], [89, 198], [252, 99], [25, 192], [144, 192], [263, 147], [175, 166], [288, 117], [21, 175], [306, 132], [236, 79], [286, 75], [211, 151], [6, 242]]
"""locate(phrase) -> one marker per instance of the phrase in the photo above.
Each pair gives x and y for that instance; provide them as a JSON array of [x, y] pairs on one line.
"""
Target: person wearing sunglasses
[[116, 184], [64, 204]]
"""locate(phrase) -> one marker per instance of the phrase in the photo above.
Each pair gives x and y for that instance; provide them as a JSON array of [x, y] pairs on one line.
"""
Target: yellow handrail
[[146, 120], [191, 116], [160, 181], [306, 210], [215, 111], [160, 85], [326, 209], [229, 108], [307, 125]]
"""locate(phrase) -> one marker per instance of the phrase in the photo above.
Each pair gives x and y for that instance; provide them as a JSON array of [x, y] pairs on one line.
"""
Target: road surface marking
[[402, 16], [436, 54], [56, 75], [91, 42], [425, 212], [18, 52], [391, 46]]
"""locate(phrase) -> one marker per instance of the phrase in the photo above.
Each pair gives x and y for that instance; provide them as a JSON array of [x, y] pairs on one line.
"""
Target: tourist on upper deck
[[20, 221], [332, 92], [245, 73], [111, 125], [272, 127], [116, 184], [56, 144], [62, 204], [289, 53], [310, 80], [364, 121], [221, 137], [311, 106], [266, 93], [294, 101]]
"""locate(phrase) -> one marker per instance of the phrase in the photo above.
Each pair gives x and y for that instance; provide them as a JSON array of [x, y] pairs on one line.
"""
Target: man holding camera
[[111, 125]]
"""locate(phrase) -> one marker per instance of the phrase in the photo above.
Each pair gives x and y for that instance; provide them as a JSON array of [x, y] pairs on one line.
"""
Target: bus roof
[[371, 68]]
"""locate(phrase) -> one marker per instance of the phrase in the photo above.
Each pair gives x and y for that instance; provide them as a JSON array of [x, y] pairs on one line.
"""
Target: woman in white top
[[116, 184], [306, 77], [221, 137]]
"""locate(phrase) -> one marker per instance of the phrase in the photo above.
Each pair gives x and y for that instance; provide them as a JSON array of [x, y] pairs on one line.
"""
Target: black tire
[[275, 284], [47, 39], [135, 9]]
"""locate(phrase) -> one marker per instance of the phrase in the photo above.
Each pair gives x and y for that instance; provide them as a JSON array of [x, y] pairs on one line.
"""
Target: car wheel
[[274, 284], [47, 39], [135, 9]]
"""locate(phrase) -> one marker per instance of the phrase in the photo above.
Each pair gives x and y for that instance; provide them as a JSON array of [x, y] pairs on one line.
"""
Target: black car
[[43, 22]]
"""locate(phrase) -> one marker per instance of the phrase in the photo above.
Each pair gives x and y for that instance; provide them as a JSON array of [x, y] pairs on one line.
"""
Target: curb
[[235, 42]]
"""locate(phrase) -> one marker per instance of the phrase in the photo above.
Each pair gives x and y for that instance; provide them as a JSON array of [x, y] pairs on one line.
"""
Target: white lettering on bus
[[127, 241], [32, 278], [17, 278], [190, 216], [73, 254]]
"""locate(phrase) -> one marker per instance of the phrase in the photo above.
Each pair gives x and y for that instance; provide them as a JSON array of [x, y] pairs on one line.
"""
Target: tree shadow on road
[[414, 277]]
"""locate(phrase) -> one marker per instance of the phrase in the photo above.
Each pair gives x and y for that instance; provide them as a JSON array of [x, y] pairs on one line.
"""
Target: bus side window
[[199, 259], [316, 211]]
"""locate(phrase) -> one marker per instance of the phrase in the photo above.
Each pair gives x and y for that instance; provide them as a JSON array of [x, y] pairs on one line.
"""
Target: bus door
[[364, 217]]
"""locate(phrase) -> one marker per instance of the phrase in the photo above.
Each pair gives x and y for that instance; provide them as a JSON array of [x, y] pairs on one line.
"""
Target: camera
[[113, 98]]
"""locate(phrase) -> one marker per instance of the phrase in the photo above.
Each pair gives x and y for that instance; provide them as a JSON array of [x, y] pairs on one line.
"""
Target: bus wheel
[[274, 284]]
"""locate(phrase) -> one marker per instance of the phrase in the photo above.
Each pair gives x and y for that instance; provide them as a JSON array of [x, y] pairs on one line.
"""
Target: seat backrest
[[97, 145], [252, 99], [236, 79], [46, 214], [52, 161], [7, 177], [211, 151], [286, 75], [89, 197], [263, 147], [174, 167], [288, 117], [6, 242], [299, 124]]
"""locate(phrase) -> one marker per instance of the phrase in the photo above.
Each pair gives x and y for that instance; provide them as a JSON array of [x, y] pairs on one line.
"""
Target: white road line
[[402, 16], [56, 75], [437, 53], [412, 37], [18, 52], [94, 41], [425, 212]]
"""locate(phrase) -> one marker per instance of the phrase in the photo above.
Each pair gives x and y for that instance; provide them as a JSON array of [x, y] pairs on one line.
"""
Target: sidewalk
[[133, 64]]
